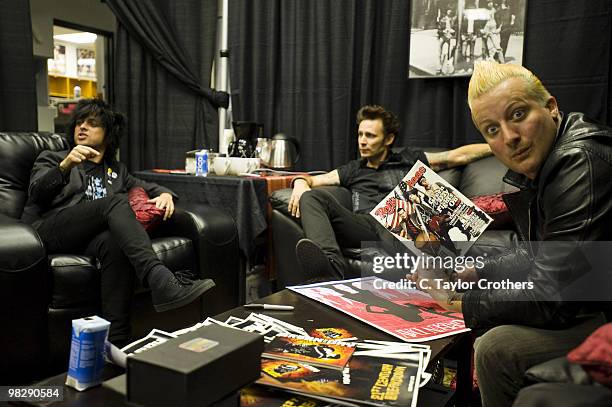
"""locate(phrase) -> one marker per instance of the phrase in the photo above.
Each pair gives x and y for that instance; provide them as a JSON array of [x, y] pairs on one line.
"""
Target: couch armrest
[[558, 370], [23, 301], [285, 235], [215, 240], [20, 245]]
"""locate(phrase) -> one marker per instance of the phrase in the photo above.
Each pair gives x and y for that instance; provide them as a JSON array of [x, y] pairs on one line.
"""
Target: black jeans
[[331, 225], [503, 354], [108, 230]]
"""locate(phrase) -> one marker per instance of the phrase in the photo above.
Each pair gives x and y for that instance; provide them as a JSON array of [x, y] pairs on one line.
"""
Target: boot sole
[[197, 291], [313, 261]]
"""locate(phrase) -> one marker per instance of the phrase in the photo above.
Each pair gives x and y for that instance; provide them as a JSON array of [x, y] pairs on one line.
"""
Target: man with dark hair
[[327, 224], [78, 203]]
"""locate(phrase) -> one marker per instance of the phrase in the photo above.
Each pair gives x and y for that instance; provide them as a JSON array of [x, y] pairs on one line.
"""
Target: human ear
[[389, 139], [553, 108]]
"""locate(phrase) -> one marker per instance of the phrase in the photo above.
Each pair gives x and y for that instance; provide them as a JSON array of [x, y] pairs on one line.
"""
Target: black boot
[[171, 291], [314, 263]]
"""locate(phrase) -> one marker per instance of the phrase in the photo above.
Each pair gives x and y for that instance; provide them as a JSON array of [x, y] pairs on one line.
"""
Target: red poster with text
[[407, 314]]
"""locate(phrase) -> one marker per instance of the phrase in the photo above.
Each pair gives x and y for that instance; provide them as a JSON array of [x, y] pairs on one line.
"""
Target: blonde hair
[[489, 74]]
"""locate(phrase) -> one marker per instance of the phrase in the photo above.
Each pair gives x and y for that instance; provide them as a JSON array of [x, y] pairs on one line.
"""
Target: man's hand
[[299, 187], [431, 282], [76, 156], [468, 274], [164, 201]]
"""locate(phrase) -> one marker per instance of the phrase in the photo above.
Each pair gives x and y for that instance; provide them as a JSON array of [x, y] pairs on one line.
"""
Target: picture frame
[[448, 36]]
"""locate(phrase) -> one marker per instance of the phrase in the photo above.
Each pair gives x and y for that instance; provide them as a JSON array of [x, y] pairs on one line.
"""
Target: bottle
[[77, 92]]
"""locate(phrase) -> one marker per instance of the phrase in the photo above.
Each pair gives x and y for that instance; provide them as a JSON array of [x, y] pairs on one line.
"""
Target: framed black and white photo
[[448, 36]]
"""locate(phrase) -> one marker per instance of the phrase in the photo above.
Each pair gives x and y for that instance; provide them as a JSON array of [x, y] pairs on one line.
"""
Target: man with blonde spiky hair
[[562, 165]]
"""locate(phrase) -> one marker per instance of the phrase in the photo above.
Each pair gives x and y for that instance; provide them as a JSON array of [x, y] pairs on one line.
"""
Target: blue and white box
[[87, 352]]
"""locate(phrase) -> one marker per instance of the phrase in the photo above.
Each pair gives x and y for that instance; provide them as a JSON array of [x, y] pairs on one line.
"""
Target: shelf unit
[[63, 86]]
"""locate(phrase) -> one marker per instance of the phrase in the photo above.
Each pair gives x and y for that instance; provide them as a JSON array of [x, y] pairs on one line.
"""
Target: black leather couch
[[40, 294], [560, 383], [482, 177]]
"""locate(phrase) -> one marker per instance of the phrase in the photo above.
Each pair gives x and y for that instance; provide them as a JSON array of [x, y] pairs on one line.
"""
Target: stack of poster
[[370, 372], [430, 214], [408, 314], [313, 351], [379, 374]]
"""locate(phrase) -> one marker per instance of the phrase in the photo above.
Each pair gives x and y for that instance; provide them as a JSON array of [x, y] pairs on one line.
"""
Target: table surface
[[245, 198], [308, 314]]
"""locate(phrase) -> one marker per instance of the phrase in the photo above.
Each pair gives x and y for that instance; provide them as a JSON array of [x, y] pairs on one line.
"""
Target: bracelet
[[304, 177]]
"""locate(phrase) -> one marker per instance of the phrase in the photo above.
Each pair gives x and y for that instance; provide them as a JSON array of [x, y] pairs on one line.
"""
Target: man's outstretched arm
[[304, 183], [459, 156]]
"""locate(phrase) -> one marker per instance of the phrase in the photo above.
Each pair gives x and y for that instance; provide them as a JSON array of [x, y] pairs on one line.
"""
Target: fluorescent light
[[77, 38]]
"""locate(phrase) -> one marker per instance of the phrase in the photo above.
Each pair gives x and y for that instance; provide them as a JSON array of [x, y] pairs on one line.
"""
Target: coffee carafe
[[246, 136]]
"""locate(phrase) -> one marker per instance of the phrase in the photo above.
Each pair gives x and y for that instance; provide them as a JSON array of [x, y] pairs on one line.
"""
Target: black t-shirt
[[95, 187], [369, 186]]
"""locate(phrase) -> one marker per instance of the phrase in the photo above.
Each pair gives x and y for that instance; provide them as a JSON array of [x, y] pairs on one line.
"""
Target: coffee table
[[308, 314]]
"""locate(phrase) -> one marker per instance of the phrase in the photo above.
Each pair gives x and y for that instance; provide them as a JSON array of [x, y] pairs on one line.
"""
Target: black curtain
[[17, 81], [305, 67], [164, 59]]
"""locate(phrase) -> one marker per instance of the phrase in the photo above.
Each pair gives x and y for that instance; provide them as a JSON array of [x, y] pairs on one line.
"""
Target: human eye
[[518, 114], [93, 122], [491, 130]]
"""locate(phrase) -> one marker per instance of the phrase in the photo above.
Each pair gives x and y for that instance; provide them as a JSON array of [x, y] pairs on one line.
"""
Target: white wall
[[88, 13]]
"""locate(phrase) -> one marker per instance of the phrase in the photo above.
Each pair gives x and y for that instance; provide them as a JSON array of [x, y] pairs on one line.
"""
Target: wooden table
[[308, 314]]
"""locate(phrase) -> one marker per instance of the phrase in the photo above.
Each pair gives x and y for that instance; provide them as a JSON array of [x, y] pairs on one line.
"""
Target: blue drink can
[[201, 158]]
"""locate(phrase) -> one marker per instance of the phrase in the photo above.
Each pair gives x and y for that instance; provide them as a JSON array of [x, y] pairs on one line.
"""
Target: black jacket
[[50, 191], [557, 215]]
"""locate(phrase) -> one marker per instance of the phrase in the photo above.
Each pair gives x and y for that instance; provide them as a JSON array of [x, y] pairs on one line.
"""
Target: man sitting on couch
[[558, 283], [78, 203], [327, 224]]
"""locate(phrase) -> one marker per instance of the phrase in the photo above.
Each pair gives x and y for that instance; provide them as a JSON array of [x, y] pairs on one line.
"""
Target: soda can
[[201, 163]]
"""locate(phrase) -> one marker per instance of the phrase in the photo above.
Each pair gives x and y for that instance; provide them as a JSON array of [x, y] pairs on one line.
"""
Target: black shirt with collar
[[369, 186]]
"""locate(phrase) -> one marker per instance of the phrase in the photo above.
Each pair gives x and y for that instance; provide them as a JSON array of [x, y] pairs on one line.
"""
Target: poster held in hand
[[431, 215]]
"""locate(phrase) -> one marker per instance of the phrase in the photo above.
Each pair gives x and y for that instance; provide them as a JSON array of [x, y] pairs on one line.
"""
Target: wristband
[[304, 177]]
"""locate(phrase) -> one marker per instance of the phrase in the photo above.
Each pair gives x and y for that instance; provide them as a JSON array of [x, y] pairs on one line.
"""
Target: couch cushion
[[452, 176], [147, 213], [17, 154], [496, 208], [595, 355], [484, 177]]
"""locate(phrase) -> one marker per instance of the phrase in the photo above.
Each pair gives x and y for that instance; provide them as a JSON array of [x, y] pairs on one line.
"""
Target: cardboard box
[[196, 369]]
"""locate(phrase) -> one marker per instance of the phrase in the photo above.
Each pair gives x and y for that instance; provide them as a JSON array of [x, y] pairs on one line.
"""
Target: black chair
[[40, 294], [482, 177]]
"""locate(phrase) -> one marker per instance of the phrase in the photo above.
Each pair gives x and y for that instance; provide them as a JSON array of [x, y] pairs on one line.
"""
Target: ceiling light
[[77, 38]]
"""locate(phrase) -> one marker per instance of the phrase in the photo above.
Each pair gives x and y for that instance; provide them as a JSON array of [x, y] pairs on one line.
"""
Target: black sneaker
[[178, 290], [313, 261]]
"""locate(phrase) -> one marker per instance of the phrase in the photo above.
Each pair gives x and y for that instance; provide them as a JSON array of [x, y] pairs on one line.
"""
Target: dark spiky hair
[[112, 122], [389, 120]]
